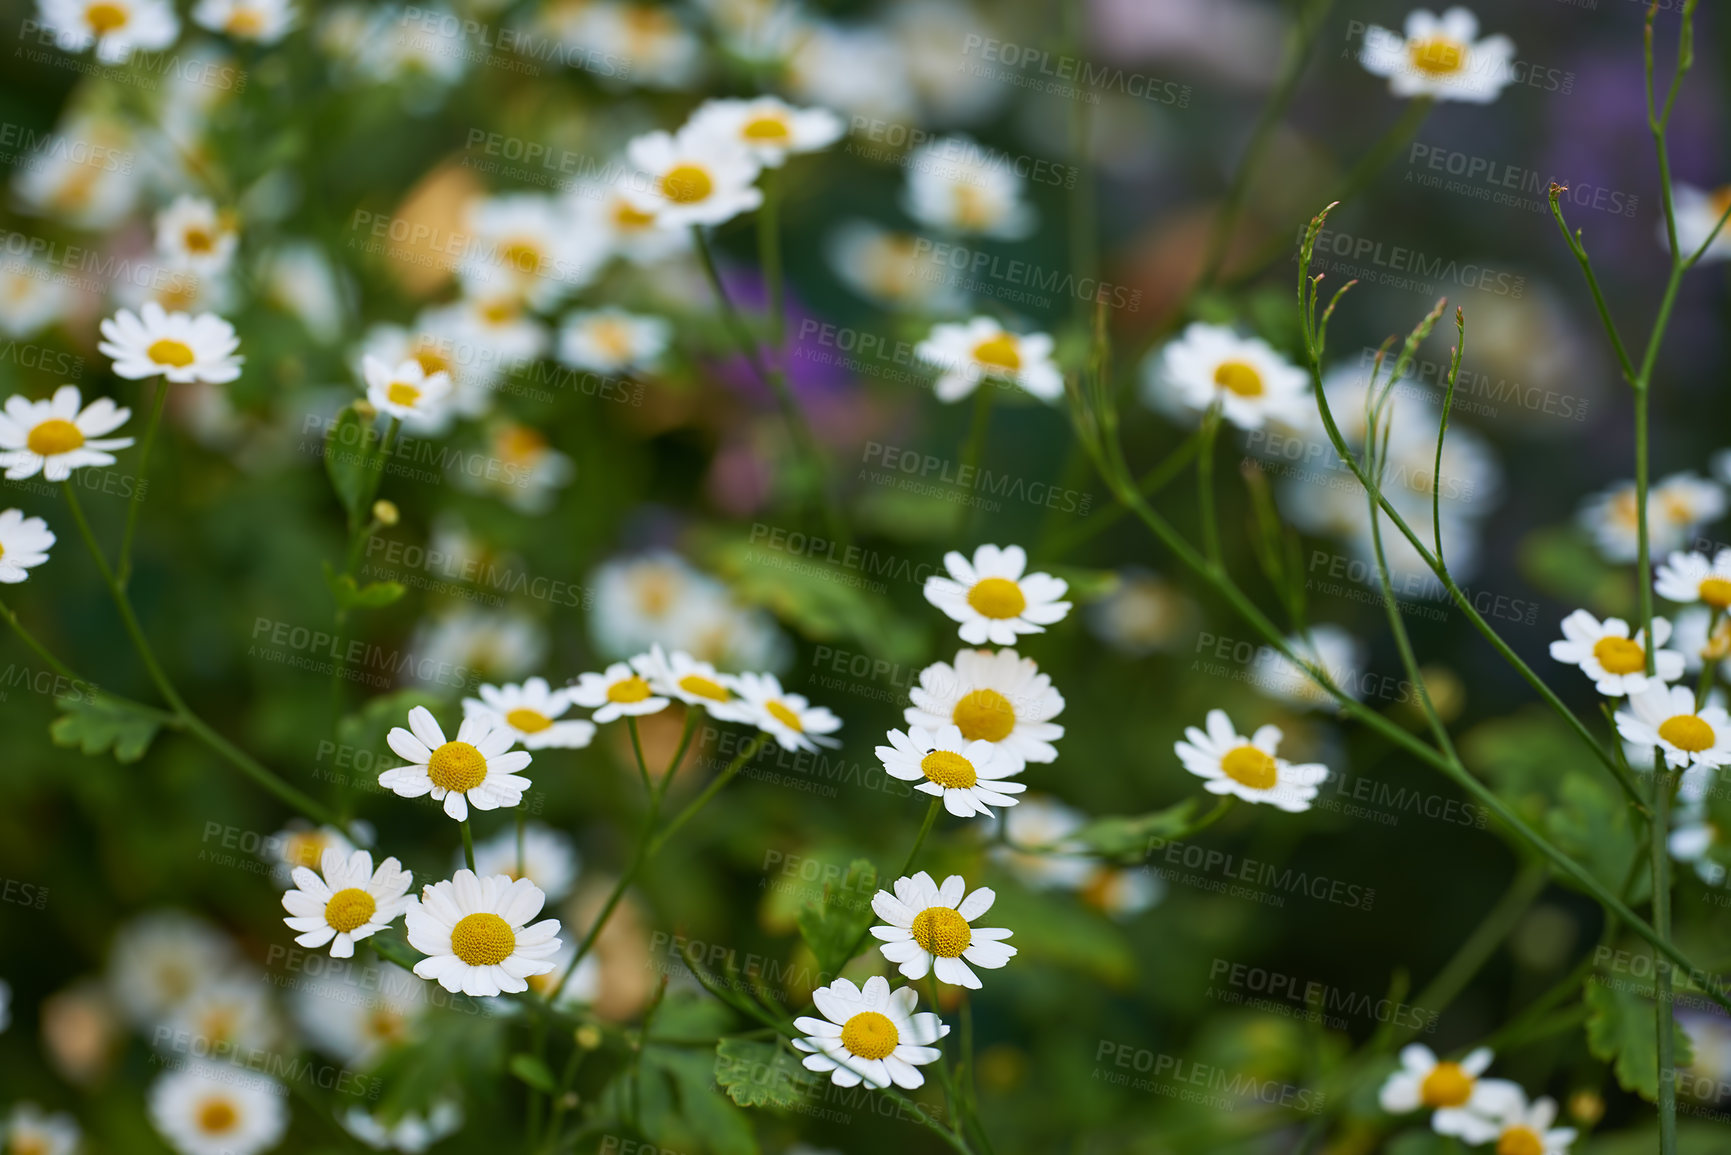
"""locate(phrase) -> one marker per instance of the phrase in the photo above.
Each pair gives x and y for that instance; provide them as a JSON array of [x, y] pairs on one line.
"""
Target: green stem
[[468, 844], [1666, 1029], [123, 571], [1205, 487], [769, 259], [710, 791], [637, 749], [974, 450]]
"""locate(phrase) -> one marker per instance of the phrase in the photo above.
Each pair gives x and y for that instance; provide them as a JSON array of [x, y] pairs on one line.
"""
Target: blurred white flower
[[957, 185], [258, 21], [116, 27], [612, 340], [1440, 57], [769, 129], [210, 1108], [1211, 365], [192, 234], [32, 296], [692, 179]]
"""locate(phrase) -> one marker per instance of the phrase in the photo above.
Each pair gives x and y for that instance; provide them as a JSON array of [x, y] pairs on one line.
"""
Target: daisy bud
[[588, 1036], [385, 512]]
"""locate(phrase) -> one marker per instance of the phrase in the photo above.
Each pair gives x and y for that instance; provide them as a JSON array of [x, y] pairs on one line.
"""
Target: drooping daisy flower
[[407, 391], [31, 296], [967, 775], [869, 1035], [191, 234], [679, 675], [993, 599], [891, 268], [691, 180], [1210, 364], [1691, 577], [530, 713], [218, 1109], [617, 692], [411, 1132], [929, 929], [24, 545], [1247, 767], [1665, 717], [1523, 1129], [1440, 57], [549, 858], [769, 129], [477, 768], [258, 21], [158, 959], [476, 934], [959, 186], [178, 346], [1336, 653], [1698, 213], [1616, 662], [351, 902], [226, 1013], [56, 436], [115, 27], [612, 340], [1454, 1090], [790, 719], [30, 1131], [983, 350], [998, 697]]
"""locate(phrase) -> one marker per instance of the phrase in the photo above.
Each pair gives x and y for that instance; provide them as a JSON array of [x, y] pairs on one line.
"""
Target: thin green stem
[[1660, 862], [974, 449], [1205, 487], [123, 571], [710, 791], [637, 749], [468, 844]]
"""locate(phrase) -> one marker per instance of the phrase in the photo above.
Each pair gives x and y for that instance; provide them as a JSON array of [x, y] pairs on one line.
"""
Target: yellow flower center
[[997, 597], [527, 720], [686, 184], [1437, 55], [168, 351], [1447, 1085], [769, 127], [402, 393], [632, 689], [519, 444], [457, 766], [431, 360], [2, 550], [216, 1116], [999, 352], [1687, 733], [973, 208], [1250, 767], [53, 437], [245, 22], [1716, 592], [499, 311], [105, 18], [984, 714], [614, 338], [197, 240], [783, 715], [386, 1025], [1520, 1141], [23, 1144], [304, 849], [1238, 377], [627, 217], [1620, 655], [704, 687], [349, 909], [482, 940], [870, 1035], [949, 770], [942, 931]]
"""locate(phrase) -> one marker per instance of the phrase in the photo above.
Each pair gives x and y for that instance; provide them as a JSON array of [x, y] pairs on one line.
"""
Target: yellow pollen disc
[[171, 352], [431, 360], [613, 337], [386, 1025], [997, 597], [519, 444], [942, 931], [1238, 377], [527, 720], [984, 714], [524, 256], [629, 217], [1437, 55], [1447, 1085], [482, 940], [402, 393], [686, 184], [54, 436], [973, 207], [1716, 592], [1721, 200], [766, 128], [198, 241], [245, 22], [785, 716], [949, 770], [105, 18], [704, 688], [216, 1116], [498, 312], [305, 849], [1687, 733], [999, 352], [457, 766], [1620, 655], [632, 689], [1520, 1141], [870, 1035], [28, 1145], [1250, 767], [2, 550], [349, 909]]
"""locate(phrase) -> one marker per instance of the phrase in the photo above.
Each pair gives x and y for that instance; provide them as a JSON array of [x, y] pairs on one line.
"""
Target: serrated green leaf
[[1622, 1029], [759, 1074], [831, 927], [350, 450], [97, 725], [534, 1072], [1129, 837]]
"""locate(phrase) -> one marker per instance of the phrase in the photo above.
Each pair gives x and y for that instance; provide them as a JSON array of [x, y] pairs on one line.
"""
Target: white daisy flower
[[178, 346], [407, 391], [967, 775], [1665, 717], [993, 599], [441, 343], [617, 692], [61, 182], [299, 278], [1698, 213], [24, 545], [226, 1013], [929, 929], [869, 1035], [549, 858], [192, 235], [679, 675], [411, 1132], [357, 1016], [609, 212], [1210, 364], [32, 296], [790, 719], [115, 27], [692, 180], [523, 244], [531, 714], [530, 471], [300, 843], [56, 436], [997, 697], [1328, 647], [351, 902], [1122, 892], [1454, 1090], [1616, 662], [30, 1131], [1691, 838], [477, 768], [768, 128], [1440, 57], [659, 51], [1043, 824], [1692, 639], [891, 268], [1247, 767], [158, 960], [501, 644], [1691, 577], [983, 350], [958, 186], [1521, 1129], [218, 1109], [612, 340], [476, 935], [1676, 508], [259, 21]]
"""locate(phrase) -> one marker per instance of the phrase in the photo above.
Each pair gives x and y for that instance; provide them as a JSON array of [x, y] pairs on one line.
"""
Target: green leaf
[[350, 450], [1622, 1028], [1591, 823], [759, 1074], [1087, 585], [1130, 837], [533, 1072], [349, 595], [97, 724], [831, 927]]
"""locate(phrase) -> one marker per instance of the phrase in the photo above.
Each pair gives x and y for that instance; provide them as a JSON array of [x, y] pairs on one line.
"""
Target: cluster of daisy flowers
[[1473, 1109]]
